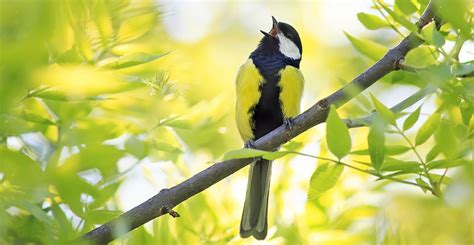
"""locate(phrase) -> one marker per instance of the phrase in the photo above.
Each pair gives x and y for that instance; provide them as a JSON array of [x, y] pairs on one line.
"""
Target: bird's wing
[[291, 84], [248, 95]]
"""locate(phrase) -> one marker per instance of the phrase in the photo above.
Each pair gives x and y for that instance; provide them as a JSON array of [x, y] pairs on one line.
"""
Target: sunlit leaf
[[448, 163], [392, 164], [466, 112], [101, 216], [422, 56], [432, 35], [103, 21], [337, 135], [446, 139], [130, 60], [438, 75], [324, 178], [275, 155], [456, 12], [136, 147], [30, 116], [384, 111], [423, 185], [427, 129], [390, 150], [463, 69], [376, 142], [243, 153], [70, 56], [372, 22], [411, 119], [367, 47], [433, 153], [406, 6], [135, 27], [398, 18], [292, 145]]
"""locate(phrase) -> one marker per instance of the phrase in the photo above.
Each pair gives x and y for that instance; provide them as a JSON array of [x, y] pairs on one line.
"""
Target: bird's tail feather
[[254, 216]]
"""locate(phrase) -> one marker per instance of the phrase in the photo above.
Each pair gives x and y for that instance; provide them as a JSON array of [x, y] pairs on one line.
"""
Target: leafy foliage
[[86, 106]]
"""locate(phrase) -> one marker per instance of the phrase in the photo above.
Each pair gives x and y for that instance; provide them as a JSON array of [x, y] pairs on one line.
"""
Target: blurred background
[[104, 103]]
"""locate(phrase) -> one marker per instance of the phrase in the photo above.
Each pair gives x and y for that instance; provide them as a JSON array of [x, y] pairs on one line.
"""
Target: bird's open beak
[[274, 31]]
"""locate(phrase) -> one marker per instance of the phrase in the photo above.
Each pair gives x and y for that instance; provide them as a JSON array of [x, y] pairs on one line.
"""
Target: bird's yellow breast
[[248, 91], [291, 84], [248, 95]]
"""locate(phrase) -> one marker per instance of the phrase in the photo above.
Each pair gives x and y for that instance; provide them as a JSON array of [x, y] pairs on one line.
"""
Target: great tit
[[269, 89]]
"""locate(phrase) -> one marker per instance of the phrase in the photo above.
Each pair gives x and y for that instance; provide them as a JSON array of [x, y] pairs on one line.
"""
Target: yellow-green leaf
[[411, 119], [367, 47], [376, 142], [406, 6], [244, 153], [135, 27], [324, 178], [427, 129], [337, 135], [130, 60], [372, 22], [384, 111], [431, 35]]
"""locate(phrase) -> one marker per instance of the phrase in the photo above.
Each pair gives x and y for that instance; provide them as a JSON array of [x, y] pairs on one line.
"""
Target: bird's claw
[[250, 144], [289, 123]]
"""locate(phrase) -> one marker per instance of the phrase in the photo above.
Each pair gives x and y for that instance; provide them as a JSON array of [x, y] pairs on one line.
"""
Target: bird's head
[[286, 38]]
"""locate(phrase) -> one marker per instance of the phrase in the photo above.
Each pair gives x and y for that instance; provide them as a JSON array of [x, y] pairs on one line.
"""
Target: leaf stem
[[367, 171], [425, 168]]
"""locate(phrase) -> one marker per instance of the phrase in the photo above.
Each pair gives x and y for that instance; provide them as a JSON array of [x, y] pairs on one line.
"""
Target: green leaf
[[369, 48], [337, 135], [135, 27], [292, 145], [466, 112], [422, 56], [399, 19], [376, 142], [389, 150], [30, 116], [438, 75], [275, 155], [406, 6], [427, 129], [392, 164], [411, 120], [384, 111], [372, 22], [101, 216], [70, 56], [447, 163], [244, 153], [103, 21], [396, 149], [431, 35], [136, 147], [463, 69], [324, 178], [423, 185], [130, 60], [433, 153], [446, 139]]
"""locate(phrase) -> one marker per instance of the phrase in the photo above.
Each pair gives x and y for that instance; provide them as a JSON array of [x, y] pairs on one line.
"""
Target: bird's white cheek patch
[[288, 47]]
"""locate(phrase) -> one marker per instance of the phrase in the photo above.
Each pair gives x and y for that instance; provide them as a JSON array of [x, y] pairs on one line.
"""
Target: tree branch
[[169, 198]]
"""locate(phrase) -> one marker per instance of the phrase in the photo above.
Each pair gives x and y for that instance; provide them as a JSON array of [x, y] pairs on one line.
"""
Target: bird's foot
[[250, 144], [289, 123]]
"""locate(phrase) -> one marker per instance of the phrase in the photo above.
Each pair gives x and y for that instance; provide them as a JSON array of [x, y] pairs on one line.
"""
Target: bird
[[269, 87]]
